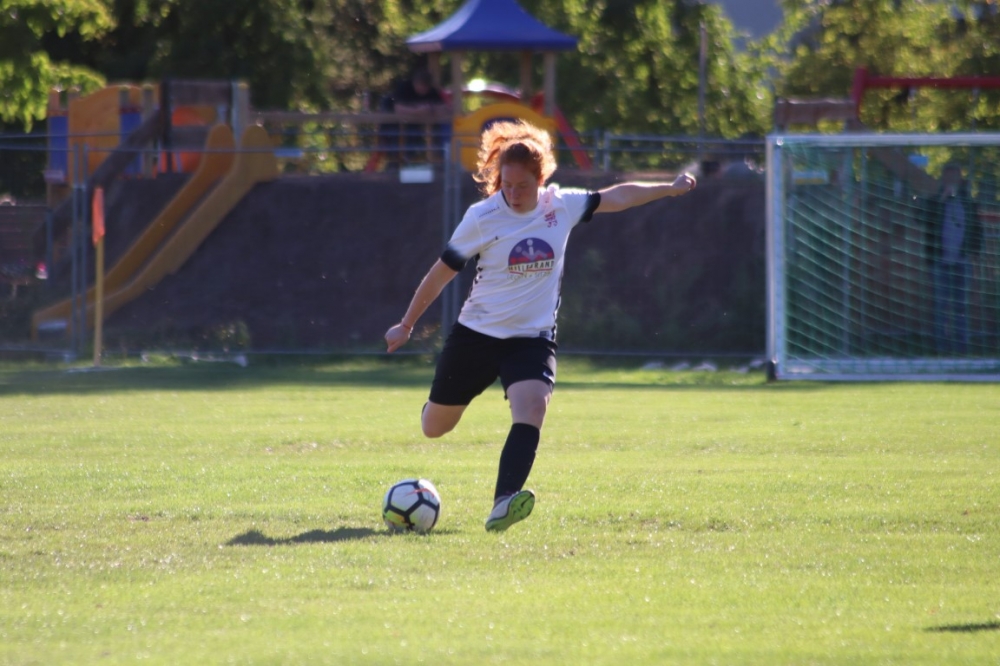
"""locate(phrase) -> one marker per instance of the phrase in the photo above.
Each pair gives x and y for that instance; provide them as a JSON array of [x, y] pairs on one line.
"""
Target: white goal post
[[883, 256]]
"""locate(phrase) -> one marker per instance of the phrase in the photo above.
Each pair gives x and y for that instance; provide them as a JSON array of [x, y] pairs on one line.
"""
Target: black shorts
[[470, 362]]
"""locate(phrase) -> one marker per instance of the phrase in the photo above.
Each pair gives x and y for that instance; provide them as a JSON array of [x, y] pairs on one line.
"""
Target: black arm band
[[593, 201], [452, 259]]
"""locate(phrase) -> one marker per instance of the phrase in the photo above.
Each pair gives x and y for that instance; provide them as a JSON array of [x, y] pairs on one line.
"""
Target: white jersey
[[520, 260]]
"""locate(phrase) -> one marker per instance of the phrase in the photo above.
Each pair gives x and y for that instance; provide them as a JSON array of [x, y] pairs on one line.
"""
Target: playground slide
[[157, 253], [508, 104], [211, 169]]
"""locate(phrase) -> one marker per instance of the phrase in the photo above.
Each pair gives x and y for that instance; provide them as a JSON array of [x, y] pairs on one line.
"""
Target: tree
[[271, 44], [636, 68], [303, 54], [825, 42], [969, 40], [27, 71]]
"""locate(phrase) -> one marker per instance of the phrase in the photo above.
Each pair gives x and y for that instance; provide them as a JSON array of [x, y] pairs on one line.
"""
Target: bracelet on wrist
[[406, 326]]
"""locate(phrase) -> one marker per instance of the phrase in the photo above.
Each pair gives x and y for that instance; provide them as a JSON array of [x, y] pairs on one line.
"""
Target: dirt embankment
[[328, 263]]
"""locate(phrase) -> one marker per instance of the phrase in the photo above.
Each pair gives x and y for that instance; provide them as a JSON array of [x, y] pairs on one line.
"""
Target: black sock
[[516, 459]]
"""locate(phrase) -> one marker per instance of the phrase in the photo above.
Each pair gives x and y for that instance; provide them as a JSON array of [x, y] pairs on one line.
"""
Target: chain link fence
[[325, 257]]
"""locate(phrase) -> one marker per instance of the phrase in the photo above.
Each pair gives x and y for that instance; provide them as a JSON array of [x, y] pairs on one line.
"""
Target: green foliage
[[214, 336], [366, 42], [273, 45], [27, 71], [823, 43], [21, 169], [657, 44], [294, 54], [874, 34], [636, 68]]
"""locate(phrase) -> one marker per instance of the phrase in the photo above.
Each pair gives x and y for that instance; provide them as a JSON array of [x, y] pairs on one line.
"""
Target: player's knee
[[531, 411], [536, 411], [532, 414], [436, 427], [433, 430], [433, 425], [437, 420]]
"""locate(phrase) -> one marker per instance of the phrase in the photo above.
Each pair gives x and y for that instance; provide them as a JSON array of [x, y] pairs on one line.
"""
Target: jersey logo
[[531, 256]]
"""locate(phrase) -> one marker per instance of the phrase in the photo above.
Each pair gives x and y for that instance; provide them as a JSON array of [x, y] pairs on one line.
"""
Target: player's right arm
[[430, 288]]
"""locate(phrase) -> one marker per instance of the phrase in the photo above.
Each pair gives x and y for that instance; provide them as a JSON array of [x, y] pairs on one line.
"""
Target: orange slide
[[218, 184]]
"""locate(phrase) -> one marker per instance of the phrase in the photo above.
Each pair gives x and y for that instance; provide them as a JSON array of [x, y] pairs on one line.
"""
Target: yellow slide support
[[220, 146], [157, 253], [469, 128]]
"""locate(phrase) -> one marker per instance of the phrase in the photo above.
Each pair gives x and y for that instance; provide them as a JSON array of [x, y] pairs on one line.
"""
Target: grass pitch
[[217, 514]]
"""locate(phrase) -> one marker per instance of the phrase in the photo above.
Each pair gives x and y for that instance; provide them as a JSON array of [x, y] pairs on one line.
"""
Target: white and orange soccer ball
[[412, 505]]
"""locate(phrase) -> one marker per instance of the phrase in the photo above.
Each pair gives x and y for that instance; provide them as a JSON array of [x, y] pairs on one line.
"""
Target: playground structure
[[221, 179], [791, 112], [96, 125], [863, 81], [556, 121], [140, 131], [504, 104], [499, 26], [788, 112], [479, 25], [128, 131]]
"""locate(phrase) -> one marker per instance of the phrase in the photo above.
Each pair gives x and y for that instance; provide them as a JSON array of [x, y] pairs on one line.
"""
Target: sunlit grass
[[211, 513]]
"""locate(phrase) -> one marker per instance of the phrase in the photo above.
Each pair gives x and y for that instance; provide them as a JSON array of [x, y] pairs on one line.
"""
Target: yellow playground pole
[[97, 222]]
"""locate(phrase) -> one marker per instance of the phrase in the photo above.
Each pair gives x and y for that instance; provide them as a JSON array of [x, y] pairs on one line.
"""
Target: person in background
[[954, 236], [406, 142], [417, 94]]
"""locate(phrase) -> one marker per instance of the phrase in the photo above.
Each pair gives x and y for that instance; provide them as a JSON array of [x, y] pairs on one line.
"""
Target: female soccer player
[[507, 326]]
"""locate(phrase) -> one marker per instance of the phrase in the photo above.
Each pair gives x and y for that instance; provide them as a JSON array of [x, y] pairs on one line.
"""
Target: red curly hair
[[513, 142]]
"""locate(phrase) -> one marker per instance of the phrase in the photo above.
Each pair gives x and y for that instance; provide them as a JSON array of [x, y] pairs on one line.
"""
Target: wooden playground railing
[[378, 135]]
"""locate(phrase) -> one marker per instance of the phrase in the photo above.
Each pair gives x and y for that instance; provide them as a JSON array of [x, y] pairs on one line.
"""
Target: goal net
[[884, 256]]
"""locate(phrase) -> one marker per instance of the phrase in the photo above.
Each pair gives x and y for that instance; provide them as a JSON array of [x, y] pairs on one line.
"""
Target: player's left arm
[[626, 195]]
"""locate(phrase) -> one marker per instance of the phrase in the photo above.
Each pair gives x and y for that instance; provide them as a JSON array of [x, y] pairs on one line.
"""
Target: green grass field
[[207, 513]]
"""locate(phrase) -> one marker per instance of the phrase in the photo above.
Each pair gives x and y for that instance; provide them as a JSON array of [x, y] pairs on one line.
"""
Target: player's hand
[[685, 182], [397, 336]]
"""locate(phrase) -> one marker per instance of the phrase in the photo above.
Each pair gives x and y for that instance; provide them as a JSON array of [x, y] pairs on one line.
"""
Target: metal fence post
[[74, 250], [49, 251], [451, 152], [456, 218], [78, 251]]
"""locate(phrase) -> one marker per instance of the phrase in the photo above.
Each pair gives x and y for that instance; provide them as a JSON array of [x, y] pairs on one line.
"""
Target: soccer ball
[[412, 505]]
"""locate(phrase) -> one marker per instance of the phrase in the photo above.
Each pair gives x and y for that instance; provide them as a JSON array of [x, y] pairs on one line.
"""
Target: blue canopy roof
[[491, 25]]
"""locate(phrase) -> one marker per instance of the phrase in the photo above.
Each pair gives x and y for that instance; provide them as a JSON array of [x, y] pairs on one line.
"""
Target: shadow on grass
[[341, 534], [971, 628], [366, 373], [413, 371], [257, 538]]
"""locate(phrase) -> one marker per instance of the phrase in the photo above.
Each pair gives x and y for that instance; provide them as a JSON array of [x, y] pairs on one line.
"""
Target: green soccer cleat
[[509, 510]]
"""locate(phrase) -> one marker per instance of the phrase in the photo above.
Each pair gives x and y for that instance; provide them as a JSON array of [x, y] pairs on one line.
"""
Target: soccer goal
[[883, 256]]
